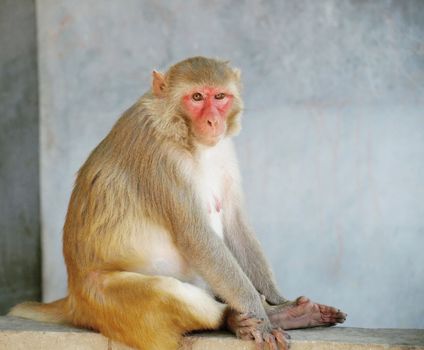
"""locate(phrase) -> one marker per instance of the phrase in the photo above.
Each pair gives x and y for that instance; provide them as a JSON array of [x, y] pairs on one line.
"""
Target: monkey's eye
[[197, 96], [219, 96]]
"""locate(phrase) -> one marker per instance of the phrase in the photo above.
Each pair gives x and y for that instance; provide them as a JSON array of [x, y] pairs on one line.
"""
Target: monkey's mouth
[[218, 136], [211, 140]]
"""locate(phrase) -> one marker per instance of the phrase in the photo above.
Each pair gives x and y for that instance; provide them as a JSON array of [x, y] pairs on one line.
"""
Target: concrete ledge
[[19, 334]]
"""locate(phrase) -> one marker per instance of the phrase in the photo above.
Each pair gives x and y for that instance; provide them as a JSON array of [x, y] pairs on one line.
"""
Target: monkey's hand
[[247, 327]]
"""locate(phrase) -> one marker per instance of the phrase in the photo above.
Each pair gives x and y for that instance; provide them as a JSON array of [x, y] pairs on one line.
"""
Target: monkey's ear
[[237, 73], [158, 84]]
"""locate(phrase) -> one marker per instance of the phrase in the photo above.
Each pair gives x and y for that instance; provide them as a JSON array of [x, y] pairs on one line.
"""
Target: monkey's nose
[[213, 123], [213, 126]]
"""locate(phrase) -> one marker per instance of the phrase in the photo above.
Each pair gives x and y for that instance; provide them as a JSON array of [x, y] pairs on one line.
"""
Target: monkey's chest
[[214, 210], [210, 190]]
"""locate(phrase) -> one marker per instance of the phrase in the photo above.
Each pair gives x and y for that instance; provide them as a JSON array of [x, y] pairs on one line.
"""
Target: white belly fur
[[161, 257], [159, 254]]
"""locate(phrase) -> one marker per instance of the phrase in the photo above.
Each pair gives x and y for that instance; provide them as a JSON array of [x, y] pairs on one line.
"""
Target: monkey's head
[[204, 92]]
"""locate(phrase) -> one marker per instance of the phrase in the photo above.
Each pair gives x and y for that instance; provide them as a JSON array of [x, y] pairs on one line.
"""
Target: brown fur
[[137, 183]]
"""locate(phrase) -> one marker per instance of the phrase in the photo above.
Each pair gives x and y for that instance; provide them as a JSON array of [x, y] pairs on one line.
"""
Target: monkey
[[156, 239]]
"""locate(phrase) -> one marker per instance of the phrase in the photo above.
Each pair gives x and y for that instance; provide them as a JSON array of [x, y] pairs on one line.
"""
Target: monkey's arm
[[241, 240], [203, 249], [209, 255]]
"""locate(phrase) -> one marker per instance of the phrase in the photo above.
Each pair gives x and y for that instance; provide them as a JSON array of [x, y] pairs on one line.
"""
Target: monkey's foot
[[245, 326], [304, 313]]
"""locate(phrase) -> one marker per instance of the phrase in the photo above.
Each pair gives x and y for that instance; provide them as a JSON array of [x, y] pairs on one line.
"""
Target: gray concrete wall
[[20, 265], [332, 149]]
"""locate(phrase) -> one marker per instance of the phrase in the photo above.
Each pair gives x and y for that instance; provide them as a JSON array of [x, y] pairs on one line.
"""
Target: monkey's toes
[[331, 315]]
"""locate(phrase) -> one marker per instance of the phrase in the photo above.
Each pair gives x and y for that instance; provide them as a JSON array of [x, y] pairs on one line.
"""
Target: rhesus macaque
[[156, 240]]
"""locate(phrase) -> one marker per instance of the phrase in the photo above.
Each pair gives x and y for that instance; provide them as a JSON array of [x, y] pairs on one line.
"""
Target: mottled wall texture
[[20, 274], [332, 149]]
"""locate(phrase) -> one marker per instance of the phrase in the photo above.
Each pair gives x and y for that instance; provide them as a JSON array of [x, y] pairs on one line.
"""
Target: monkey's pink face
[[208, 108]]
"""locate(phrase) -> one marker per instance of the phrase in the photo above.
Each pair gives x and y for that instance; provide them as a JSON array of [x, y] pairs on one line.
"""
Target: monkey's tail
[[54, 312]]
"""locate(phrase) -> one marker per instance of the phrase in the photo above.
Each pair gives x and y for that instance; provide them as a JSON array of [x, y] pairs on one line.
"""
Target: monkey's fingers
[[243, 324], [245, 334], [259, 342], [282, 332], [282, 338], [270, 340]]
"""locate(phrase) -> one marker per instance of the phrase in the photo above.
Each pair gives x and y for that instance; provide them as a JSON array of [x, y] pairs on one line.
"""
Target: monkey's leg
[[146, 312], [303, 313]]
